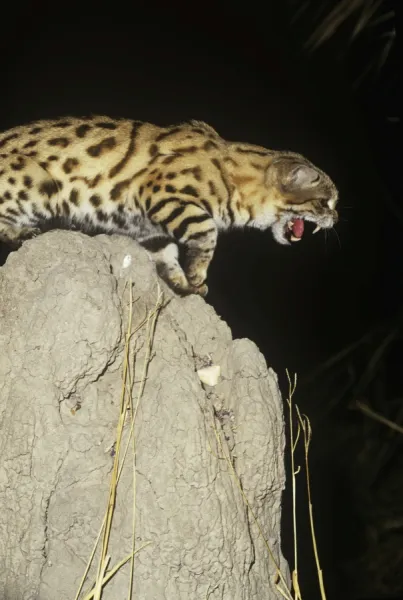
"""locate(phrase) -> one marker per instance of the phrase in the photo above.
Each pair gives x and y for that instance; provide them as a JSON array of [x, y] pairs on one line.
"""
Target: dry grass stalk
[[294, 473], [307, 433], [304, 425], [126, 402]]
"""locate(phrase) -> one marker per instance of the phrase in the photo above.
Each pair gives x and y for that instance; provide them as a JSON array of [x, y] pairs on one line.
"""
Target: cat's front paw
[[197, 278], [202, 290], [28, 233]]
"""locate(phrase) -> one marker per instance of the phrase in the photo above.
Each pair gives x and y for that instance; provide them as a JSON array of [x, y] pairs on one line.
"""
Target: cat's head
[[299, 192]]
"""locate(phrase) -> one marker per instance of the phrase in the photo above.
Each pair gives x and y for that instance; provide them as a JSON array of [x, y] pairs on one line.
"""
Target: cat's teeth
[[295, 239], [290, 225], [317, 228]]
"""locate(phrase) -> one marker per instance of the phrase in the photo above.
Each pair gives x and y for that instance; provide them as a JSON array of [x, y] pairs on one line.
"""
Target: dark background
[[244, 70]]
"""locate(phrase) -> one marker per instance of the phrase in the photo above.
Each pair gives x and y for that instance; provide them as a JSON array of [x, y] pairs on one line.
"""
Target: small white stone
[[127, 261], [210, 375]]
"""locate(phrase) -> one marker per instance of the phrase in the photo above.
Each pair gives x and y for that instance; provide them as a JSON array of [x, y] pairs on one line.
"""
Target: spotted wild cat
[[163, 186]]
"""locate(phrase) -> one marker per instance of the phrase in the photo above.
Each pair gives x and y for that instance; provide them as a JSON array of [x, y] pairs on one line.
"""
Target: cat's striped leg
[[193, 228], [165, 253]]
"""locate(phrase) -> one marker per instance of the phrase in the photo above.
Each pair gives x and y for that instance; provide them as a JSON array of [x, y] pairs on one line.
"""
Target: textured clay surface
[[63, 315]]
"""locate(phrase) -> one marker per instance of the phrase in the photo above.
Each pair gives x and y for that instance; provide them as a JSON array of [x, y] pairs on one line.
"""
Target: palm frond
[[348, 22]]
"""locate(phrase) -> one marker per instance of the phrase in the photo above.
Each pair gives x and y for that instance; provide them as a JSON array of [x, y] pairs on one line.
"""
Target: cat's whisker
[[337, 236]]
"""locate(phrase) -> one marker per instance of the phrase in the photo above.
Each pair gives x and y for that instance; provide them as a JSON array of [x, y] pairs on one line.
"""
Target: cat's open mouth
[[294, 229], [289, 228]]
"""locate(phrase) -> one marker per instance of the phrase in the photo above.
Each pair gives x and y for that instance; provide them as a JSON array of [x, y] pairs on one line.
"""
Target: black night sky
[[243, 69]]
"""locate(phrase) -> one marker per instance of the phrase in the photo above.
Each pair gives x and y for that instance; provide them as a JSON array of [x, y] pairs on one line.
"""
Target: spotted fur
[[166, 187]]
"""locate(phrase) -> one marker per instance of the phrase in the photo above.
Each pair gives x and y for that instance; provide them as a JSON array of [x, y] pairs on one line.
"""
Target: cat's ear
[[303, 176], [293, 174]]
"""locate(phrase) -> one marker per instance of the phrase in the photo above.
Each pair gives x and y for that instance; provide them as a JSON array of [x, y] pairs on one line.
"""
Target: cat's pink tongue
[[298, 228]]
